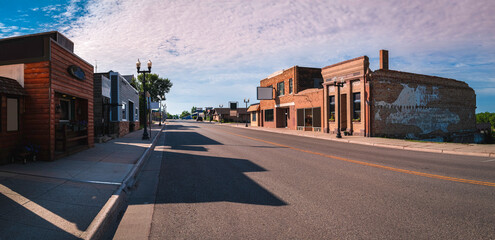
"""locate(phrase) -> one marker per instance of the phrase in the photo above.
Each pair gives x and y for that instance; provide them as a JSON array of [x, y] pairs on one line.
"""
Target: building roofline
[[73, 54], [346, 61], [405, 75], [35, 35], [284, 70]]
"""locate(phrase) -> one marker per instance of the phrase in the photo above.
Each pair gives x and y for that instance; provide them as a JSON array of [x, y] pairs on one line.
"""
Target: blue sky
[[217, 51]]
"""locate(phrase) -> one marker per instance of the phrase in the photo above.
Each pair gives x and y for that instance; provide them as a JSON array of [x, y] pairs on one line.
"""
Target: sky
[[217, 51]]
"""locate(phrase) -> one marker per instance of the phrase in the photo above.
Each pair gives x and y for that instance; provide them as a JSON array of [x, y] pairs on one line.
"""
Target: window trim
[[123, 111]]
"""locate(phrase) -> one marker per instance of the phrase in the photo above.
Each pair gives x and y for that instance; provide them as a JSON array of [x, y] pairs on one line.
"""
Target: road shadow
[[190, 141], [188, 178], [179, 127]]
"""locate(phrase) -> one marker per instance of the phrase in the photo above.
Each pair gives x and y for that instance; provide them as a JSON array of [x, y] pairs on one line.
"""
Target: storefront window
[[124, 111], [331, 108], [356, 107], [12, 114], [300, 117], [291, 87], [65, 110], [269, 115], [253, 117], [309, 117], [316, 117]]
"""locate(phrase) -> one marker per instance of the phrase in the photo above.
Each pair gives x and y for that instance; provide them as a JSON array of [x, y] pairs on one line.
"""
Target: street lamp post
[[160, 109], [219, 114], [138, 66], [246, 102], [338, 85]]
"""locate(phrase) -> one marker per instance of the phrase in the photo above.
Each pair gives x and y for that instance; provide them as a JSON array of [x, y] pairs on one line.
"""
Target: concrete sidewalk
[[69, 198], [480, 150]]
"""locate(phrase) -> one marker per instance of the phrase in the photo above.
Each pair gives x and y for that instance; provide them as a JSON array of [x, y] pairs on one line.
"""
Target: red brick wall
[[302, 79], [406, 105]]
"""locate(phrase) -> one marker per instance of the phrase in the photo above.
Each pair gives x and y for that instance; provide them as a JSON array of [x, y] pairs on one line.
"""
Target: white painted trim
[[285, 104]]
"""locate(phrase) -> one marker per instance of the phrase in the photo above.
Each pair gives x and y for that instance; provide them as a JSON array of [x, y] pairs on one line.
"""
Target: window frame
[[291, 86], [280, 89], [123, 110], [331, 104], [356, 104], [272, 117], [69, 110]]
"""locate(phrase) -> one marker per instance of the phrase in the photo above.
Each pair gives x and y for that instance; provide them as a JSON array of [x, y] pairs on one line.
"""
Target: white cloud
[[486, 91], [217, 51]]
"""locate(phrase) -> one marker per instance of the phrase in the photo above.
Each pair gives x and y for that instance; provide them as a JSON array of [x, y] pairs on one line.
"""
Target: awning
[[253, 108], [11, 86]]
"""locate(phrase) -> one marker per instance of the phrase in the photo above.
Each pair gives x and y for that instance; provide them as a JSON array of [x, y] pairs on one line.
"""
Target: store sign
[[76, 72]]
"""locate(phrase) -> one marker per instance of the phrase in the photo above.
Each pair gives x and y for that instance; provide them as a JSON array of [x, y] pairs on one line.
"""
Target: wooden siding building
[[58, 111]]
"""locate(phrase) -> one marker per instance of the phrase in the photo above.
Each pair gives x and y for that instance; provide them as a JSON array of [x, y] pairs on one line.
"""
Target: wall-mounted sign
[[76, 72], [264, 93]]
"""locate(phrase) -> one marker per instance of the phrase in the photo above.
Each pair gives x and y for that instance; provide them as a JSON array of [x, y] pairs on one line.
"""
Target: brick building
[[390, 103], [254, 111], [116, 104], [384, 103], [298, 99], [56, 112], [225, 114]]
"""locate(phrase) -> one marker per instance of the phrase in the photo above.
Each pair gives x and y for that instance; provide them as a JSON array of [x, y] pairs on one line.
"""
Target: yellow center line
[[453, 179]]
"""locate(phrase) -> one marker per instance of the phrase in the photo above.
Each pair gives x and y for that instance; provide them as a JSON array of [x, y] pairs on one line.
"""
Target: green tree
[[193, 109], [156, 86], [486, 117], [184, 114]]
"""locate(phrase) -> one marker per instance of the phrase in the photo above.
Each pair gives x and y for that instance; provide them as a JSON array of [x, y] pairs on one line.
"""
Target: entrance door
[[131, 116], [343, 112], [286, 113]]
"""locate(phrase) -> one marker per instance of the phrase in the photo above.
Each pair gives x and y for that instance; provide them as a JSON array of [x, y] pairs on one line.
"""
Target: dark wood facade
[[46, 80]]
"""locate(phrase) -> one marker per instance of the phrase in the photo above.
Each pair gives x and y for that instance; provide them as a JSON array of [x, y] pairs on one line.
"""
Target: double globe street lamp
[[246, 102], [338, 85], [138, 66]]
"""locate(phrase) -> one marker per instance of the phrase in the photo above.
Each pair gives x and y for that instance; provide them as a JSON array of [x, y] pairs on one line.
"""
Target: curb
[[441, 151], [113, 208]]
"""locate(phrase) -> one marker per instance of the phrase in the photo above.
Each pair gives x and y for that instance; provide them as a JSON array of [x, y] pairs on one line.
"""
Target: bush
[[486, 117]]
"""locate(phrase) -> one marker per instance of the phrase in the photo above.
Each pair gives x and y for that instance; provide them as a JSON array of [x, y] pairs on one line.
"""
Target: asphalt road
[[220, 182]]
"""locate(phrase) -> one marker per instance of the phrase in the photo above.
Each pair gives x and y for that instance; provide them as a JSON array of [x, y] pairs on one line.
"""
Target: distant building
[[116, 104], [225, 114], [254, 111]]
